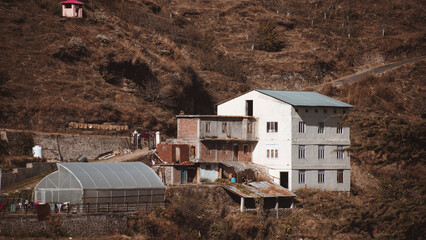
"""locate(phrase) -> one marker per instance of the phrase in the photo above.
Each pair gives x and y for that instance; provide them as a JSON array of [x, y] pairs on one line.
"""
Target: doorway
[[284, 179], [235, 153], [249, 107]]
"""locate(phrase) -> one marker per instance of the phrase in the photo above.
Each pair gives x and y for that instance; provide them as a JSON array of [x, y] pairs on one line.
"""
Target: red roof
[[72, 2]]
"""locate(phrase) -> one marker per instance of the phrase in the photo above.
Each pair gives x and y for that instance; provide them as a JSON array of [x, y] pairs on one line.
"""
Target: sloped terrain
[[141, 62]]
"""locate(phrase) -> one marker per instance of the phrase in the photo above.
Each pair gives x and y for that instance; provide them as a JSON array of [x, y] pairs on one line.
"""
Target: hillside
[[141, 62]]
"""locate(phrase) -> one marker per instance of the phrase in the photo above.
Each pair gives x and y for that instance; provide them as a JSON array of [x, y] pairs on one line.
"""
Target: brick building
[[215, 138]]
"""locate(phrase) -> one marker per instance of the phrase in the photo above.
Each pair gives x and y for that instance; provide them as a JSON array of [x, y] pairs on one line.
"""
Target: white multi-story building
[[300, 137]]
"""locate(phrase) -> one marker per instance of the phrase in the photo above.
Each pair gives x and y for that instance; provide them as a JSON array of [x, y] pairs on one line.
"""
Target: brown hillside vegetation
[[141, 62]]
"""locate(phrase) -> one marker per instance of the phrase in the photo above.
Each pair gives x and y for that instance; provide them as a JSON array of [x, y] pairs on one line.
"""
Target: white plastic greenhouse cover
[[102, 175], [113, 175]]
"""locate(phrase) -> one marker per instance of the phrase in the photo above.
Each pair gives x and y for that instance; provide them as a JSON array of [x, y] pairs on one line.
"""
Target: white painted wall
[[265, 109], [268, 109], [209, 175]]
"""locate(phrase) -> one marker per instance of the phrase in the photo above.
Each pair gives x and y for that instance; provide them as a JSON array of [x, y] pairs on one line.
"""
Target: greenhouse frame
[[101, 184]]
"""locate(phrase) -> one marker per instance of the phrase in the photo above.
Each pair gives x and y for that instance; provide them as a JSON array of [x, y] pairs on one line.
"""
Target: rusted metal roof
[[264, 189]]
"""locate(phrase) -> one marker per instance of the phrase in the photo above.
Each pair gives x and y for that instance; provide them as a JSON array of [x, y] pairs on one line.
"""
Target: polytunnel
[[112, 183]]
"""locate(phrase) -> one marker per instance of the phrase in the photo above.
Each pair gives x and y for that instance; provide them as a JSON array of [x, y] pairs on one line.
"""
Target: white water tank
[[157, 138], [37, 152]]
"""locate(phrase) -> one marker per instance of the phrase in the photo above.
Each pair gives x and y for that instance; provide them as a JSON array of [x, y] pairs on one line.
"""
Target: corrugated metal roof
[[113, 175], [304, 98], [265, 189]]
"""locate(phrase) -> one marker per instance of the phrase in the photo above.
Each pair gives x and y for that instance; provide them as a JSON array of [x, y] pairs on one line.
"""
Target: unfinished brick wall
[[224, 151], [187, 128], [173, 153]]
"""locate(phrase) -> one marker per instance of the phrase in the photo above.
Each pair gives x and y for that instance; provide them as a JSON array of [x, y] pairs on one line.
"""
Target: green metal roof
[[304, 98]]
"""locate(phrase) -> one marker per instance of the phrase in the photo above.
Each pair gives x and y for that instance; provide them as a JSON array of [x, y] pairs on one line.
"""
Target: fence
[[30, 208]]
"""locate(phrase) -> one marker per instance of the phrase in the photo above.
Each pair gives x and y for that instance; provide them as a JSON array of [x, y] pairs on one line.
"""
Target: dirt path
[[372, 71], [129, 157]]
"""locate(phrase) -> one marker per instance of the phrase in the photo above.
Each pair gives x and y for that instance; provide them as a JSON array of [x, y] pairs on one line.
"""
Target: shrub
[[267, 38]]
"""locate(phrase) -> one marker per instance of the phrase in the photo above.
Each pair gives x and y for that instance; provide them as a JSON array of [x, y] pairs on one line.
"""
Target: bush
[[267, 38]]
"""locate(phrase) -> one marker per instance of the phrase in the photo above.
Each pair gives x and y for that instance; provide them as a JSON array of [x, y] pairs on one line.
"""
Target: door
[[284, 179], [183, 176], [177, 155], [249, 107], [235, 153], [192, 153]]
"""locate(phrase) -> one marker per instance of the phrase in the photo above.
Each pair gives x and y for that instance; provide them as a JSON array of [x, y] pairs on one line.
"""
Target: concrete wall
[[265, 109], [287, 139], [63, 146], [32, 170], [75, 225]]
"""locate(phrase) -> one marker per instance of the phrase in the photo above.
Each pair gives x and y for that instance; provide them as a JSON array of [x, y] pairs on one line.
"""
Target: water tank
[[157, 137], [37, 152]]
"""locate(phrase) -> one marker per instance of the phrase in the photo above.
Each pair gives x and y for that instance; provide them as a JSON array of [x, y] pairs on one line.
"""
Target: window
[[208, 127], [340, 152], [321, 150], [246, 149], [339, 129], [302, 127], [306, 110], [316, 110], [321, 176], [321, 127], [297, 110], [334, 110], [224, 126], [339, 176], [301, 151], [325, 110], [224, 149], [249, 127], [272, 127], [302, 176], [272, 151]]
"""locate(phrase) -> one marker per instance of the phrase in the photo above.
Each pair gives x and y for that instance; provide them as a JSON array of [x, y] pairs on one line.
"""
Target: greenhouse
[[100, 184]]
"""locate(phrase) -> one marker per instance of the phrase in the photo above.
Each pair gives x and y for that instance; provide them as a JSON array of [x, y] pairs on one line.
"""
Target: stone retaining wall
[[74, 225]]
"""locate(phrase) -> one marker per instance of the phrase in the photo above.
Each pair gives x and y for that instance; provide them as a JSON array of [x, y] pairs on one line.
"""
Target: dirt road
[[129, 157], [372, 71]]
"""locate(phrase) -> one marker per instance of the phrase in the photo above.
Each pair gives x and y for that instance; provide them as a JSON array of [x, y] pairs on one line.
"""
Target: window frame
[[302, 127], [321, 128], [340, 152], [321, 176], [272, 151], [302, 177], [224, 127], [340, 176], [301, 152], [245, 149], [271, 127], [321, 151], [339, 129], [208, 127]]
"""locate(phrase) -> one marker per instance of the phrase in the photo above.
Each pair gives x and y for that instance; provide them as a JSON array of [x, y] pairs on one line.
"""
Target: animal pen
[[103, 186]]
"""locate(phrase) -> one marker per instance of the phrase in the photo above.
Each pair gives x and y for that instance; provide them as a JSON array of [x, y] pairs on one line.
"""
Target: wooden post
[[242, 205], [276, 206], [220, 173]]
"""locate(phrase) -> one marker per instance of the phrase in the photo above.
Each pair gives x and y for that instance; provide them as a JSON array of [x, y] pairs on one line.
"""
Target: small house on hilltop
[[72, 9]]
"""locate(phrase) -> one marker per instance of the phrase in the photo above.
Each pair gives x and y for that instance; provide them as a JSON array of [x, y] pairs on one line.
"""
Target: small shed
[[130, 183], [72, 9]]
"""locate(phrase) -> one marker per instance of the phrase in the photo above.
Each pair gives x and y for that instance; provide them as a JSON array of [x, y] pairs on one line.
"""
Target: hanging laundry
[[43, 211]]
